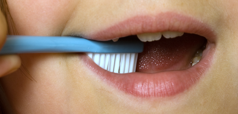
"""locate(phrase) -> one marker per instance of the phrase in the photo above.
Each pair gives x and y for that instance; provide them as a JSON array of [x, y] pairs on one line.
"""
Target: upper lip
[[167, 21]]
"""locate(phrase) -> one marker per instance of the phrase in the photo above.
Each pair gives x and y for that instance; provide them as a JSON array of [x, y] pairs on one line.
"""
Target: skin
[[53, 83]]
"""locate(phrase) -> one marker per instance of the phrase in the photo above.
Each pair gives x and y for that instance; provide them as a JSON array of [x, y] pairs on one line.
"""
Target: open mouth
[[171, 61], [174, 51]]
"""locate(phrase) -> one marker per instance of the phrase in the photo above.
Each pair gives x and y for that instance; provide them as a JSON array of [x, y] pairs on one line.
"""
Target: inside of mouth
[[170, 54]]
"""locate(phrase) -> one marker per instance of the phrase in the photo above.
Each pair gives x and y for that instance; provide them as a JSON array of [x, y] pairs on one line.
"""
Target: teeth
[[115, 40], [170, 34], [149, 37], [196, 60], [197, 57]]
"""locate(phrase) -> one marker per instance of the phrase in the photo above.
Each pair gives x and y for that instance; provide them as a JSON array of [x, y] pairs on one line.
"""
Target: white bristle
[[127, 63], [102, 61], [107, 62], [90, 55], [122, 64], [132, 61], [116, 62], [135, 62], [96, 58], [112, 62]]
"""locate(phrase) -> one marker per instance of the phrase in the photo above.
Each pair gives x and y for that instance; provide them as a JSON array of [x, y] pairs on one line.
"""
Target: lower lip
[[162, 84]]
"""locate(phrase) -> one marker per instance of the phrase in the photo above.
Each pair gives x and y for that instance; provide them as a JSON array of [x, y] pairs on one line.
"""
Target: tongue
[[169, 54]]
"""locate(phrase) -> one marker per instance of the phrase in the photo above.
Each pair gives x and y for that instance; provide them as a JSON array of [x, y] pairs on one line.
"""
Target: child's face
[[71, 83]]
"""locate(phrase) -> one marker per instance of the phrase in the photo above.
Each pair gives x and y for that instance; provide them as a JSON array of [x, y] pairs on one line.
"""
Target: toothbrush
[[117, 57]]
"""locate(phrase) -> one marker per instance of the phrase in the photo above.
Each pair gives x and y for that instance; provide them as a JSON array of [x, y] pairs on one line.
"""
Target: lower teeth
[[196, 60], [197, 57]]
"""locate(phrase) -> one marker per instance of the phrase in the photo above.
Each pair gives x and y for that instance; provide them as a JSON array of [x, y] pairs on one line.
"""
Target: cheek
[[40, 17]]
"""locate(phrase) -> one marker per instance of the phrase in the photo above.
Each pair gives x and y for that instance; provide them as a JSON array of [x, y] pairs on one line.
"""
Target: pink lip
[[162, 84]]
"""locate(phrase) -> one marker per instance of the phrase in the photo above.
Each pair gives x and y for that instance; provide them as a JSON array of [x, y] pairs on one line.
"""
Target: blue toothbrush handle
[[54, 44]]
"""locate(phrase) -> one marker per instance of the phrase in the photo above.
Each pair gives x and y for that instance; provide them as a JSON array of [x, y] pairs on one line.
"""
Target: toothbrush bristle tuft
[[115, 62]]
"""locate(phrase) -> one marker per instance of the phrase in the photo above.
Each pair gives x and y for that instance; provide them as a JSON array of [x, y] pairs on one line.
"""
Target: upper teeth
[[149, 37], [170, 34]]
